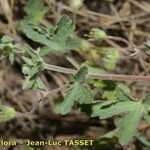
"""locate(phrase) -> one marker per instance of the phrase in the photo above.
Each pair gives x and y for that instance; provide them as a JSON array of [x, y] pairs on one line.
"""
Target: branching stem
[[114, 77], [45, 94]]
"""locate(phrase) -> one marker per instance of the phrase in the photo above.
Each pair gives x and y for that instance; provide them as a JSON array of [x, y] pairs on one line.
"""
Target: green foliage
[[6, 113], [109, 95], [8, 48], [65, 29], [56, 39], [110, 136], [130, 110], [118, 100], [111, 110], [35, 11], [31, 69], [80, 76], [123, 93], [131, 119], [53, 39], [120, 92], [78, 92]]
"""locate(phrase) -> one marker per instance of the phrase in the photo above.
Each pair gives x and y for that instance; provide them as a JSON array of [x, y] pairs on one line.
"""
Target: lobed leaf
[[129, 124], [122, 93], [114, 109], [78, 93], [35, 10], [60, 40]]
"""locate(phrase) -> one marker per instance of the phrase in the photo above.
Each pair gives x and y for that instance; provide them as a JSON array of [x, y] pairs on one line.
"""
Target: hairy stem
[[114, 77], [119, 77], [60, 69]]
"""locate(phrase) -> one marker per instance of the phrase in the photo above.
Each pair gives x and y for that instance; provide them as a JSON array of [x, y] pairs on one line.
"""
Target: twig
[[121, 39], [46, 93], [141, 6]]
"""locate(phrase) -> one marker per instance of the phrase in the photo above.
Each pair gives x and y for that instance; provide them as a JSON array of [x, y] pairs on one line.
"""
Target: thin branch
[[116, 38], [45, 94]]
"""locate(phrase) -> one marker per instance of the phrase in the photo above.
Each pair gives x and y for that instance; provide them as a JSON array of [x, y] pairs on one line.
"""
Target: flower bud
[[97, 34]]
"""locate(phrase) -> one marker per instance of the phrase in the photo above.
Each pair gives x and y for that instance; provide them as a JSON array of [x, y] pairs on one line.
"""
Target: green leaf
[[78, 93], [131, 112], [72, 44], [9, 49], [85, 95], [34, 70], [80, 76], [109, 135], [62, 36], [6, 113], [11, 58], [109, 95], [35, 10], [129, 124], [27, 83], [32, 79], [65, 28], [40, 84], [122, 93], [60, 40], [6, 39], [114, 109], [31, 69], [28, 61], [38, 37], [69, 100], [47, 49]]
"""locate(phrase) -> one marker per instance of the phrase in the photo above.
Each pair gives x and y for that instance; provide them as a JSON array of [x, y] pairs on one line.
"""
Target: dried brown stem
[[45, 94]]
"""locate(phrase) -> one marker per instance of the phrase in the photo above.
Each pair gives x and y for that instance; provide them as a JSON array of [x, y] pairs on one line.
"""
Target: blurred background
[[127, 19]]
